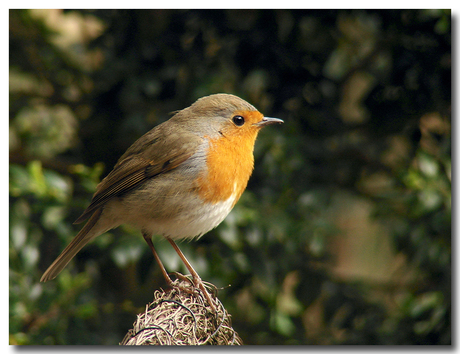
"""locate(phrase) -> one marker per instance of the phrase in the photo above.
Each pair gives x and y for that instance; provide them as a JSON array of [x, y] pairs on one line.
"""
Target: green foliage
[[38, 213], [343, 235]]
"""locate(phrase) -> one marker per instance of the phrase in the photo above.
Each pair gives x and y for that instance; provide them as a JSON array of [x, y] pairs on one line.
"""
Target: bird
[[179, 180]]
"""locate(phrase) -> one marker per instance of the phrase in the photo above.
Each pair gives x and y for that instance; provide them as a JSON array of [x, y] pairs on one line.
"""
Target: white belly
[[195, 223], [185, 219]]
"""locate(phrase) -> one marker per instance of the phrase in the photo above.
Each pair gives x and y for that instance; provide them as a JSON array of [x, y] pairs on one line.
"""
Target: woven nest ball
[[182, 316]]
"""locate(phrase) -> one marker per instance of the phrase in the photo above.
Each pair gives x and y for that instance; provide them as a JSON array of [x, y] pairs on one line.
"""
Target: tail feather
[[82, 238]]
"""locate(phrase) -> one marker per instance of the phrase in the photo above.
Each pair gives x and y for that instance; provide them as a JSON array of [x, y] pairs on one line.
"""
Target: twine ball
[[182, 316]]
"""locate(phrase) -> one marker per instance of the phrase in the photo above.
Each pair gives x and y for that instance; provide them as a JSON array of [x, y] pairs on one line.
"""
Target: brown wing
[[148, 157]]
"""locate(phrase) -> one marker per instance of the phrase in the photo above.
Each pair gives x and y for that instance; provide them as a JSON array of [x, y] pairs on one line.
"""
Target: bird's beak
[[268, 120]]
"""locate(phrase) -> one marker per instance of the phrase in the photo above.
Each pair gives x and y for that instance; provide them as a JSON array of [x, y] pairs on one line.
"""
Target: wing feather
[[137, 165]]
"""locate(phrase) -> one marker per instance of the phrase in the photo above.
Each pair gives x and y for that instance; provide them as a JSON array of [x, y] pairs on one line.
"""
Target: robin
[[180, 179]]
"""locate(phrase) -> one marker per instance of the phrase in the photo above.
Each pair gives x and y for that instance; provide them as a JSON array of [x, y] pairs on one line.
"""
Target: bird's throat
[[230, 162]]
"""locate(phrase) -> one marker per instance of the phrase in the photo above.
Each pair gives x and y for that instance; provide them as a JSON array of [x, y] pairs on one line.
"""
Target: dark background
[[344, 233]]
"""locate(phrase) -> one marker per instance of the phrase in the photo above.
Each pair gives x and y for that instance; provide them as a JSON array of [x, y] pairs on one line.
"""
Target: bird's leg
[[148, 239], [196, 278]]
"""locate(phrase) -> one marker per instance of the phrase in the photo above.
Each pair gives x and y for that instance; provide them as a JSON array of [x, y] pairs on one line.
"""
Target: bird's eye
[[238, 120]]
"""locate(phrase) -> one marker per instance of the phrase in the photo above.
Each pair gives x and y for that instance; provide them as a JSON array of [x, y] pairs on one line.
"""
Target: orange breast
[[230, 162]]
